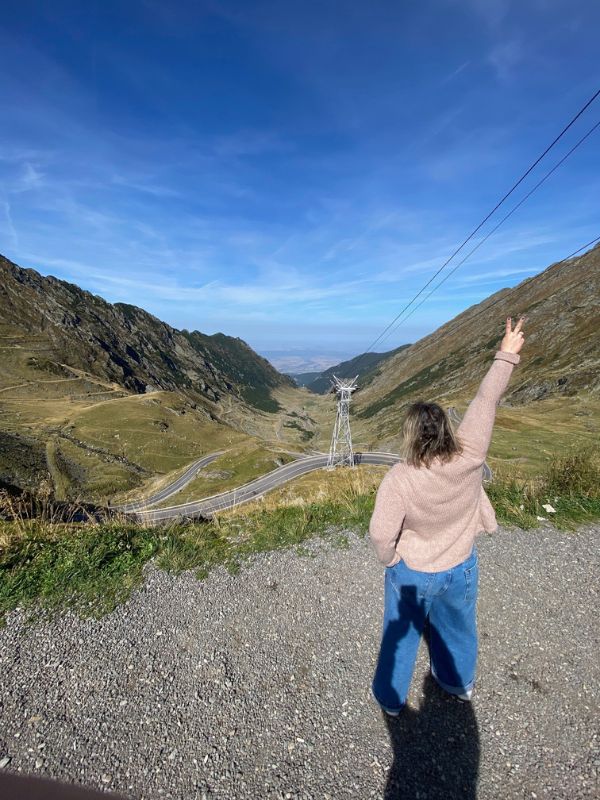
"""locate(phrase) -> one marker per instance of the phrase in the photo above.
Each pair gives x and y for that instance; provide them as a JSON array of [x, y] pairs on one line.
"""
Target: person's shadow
[[436, 747]]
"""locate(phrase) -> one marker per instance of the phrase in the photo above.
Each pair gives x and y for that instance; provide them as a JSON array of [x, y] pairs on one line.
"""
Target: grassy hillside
[[305, 378], [93, 437], [553, 399], [99, 399]]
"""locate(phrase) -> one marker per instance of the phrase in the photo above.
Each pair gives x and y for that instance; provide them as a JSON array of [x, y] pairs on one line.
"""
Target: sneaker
[[391, 712], [466, 697]]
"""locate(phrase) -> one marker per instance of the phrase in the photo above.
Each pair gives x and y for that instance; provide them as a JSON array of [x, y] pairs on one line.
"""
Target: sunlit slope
[[553, 398], [98, 400], [126, 345], [90, 440]]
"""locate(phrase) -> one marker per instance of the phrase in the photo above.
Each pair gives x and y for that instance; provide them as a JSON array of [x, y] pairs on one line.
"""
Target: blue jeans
[[448, 601]]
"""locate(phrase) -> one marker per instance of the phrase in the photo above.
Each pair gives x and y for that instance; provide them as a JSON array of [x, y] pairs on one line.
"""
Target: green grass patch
[[260, 397], [92, 568], [570, 484], [305, 435]]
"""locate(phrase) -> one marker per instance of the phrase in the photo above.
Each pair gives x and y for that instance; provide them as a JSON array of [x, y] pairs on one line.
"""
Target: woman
[[427, 513]]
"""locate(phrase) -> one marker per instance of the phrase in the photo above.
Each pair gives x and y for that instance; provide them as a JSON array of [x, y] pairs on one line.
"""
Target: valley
[[89, 423]]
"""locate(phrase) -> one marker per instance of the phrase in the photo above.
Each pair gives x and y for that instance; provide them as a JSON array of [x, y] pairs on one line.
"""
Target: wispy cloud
[[494, 276], [454, 73], [9, 228], [506, 57]]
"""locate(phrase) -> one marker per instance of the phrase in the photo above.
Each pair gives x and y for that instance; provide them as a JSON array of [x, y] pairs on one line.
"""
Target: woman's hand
[[513, 340]]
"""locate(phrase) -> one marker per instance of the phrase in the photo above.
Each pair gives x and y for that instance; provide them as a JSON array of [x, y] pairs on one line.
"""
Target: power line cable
[[519, 288], [584, 247], [522, 285], [494, 229], [493, 211]]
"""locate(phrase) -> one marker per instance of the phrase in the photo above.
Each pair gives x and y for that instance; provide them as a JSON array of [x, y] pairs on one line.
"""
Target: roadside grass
[[47, 566], [570, 484]]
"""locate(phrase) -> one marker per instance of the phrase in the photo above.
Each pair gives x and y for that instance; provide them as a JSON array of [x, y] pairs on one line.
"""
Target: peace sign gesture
[[513, 340]]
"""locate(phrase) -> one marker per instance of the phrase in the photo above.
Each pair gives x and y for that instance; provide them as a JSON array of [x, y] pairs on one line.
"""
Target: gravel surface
[[257, 685]]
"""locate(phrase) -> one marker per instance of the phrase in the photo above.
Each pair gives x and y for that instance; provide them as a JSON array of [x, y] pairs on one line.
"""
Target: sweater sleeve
[[475, 430], [387, 519]]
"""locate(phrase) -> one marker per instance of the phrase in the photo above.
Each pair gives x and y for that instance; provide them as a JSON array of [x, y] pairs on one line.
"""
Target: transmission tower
[[340, 451]]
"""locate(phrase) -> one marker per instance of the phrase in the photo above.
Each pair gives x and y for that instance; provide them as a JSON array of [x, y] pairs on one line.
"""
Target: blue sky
[[292, 172]]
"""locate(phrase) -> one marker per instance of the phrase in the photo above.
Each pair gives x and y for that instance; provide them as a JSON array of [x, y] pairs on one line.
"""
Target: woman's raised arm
[[475, 430]]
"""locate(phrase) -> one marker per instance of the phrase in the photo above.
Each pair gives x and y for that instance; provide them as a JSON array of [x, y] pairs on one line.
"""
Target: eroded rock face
[[127, 345]]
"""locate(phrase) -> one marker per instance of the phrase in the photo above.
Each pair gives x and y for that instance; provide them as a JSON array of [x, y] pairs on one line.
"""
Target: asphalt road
[[250, 491], [172, 488]]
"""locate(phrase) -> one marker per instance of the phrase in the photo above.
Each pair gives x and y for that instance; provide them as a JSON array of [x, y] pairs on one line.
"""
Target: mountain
[[561, 356], [304, 378], [98, 399], [126, 345], [363, 365]]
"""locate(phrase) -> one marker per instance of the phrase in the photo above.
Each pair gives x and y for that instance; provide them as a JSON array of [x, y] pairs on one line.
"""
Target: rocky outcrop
[[126, 345]]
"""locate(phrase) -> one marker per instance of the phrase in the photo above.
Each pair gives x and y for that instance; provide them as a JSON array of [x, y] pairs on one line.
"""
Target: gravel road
[[257, 685]]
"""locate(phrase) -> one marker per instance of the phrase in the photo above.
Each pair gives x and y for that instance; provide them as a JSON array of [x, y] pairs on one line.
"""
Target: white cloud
[[9, 226], [490, 277], [506, 56]]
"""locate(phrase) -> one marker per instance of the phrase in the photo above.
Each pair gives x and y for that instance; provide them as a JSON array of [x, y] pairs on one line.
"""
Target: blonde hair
[[428, 434]]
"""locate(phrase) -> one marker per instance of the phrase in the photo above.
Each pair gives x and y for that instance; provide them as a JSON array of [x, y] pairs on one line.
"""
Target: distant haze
[[295, 362]]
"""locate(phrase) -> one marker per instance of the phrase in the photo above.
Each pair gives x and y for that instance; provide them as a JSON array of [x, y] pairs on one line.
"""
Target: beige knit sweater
[[430, 517]]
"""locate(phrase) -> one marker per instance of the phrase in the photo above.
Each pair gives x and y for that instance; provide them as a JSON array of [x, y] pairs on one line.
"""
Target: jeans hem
[[453, 689], [383, 705]]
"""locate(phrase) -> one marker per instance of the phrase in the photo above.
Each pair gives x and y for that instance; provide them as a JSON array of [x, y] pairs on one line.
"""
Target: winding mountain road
[[250, 491], [208, 506], [172, 488]]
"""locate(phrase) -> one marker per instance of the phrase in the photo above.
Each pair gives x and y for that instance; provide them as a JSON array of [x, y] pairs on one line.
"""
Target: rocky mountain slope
[[97, 399], [561, 357], [126, 345]]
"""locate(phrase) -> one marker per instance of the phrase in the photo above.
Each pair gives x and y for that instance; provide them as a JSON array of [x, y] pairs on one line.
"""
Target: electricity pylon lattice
[[341, 451]]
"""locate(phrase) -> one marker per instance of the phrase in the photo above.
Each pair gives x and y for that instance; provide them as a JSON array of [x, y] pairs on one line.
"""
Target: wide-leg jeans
[[447, 600]]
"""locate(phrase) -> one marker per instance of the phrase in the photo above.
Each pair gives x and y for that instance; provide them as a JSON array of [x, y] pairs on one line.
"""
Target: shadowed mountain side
[[126, 345], [561, 354], [367, 366]]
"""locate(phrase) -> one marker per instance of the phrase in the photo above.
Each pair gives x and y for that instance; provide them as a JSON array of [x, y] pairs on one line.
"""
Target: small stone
[[4, 762]]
